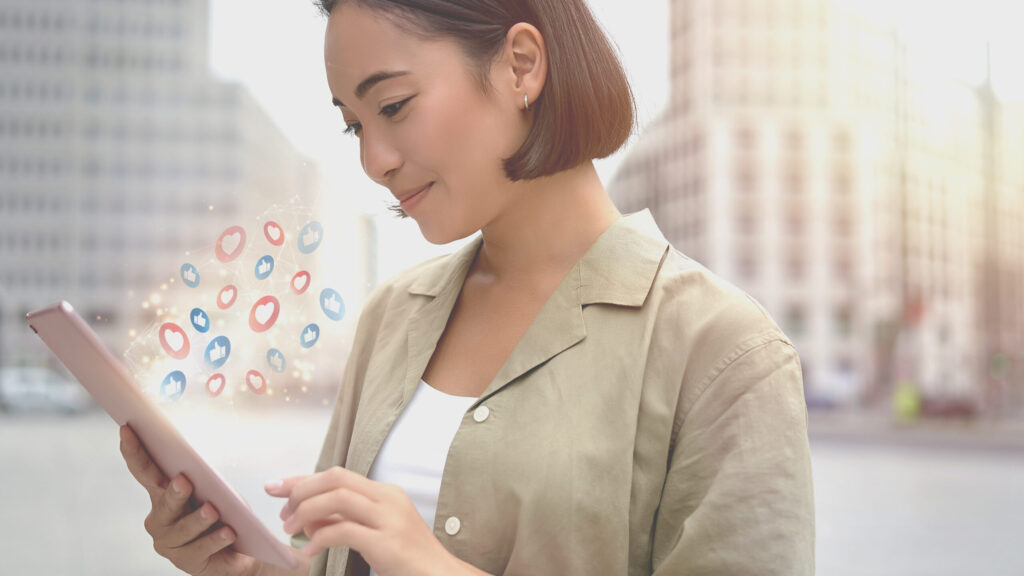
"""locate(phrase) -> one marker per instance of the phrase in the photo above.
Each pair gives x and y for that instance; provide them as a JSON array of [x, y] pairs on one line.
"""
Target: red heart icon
[[174, 340], [230, 244], [264, 313], [300, 282], [215, 385], [227, 296], [274, 233], [255, 381]]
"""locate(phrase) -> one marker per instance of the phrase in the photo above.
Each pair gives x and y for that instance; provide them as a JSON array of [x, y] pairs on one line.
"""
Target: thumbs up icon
[[332, 304], [173, 385], [189, 275], [217, 351], [199, 320], [276, 360], [264, 267], [310, 237], [310, 335]]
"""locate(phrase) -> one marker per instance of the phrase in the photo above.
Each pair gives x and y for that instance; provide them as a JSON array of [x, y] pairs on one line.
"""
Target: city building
[[803, 157], [120, 153]]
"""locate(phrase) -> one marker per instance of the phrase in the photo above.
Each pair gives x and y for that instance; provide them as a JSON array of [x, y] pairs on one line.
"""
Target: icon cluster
[[263, 313]]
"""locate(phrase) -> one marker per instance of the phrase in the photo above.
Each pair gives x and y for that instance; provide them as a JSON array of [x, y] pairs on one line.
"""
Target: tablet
[[112, 385]]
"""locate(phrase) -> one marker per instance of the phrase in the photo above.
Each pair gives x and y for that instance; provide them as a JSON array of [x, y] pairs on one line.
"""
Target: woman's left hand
[[338, 507]]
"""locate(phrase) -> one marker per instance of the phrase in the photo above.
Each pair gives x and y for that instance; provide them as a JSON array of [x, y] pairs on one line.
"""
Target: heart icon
[[255, 381], [273, 233], [230, 244], [174, 340], [227, 297], [264, 313], [300, 282], [215, 385]]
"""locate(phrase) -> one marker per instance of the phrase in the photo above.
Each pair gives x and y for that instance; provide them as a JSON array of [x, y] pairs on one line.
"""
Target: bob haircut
[[586, 109]]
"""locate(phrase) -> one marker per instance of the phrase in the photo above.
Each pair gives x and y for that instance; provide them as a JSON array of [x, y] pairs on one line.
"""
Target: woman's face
[[428, 124]]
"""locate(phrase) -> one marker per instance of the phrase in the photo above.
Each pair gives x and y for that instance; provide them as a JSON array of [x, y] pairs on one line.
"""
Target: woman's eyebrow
[[371, 81]]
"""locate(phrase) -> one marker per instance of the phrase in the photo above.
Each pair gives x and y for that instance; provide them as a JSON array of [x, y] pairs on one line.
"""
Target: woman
[[566, 394]]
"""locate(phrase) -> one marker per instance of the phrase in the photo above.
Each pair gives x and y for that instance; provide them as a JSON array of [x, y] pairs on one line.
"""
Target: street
[[71, 507]]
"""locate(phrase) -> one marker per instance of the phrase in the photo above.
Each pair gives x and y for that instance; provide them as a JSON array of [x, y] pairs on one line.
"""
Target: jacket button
[[481, 413], [452, 525]]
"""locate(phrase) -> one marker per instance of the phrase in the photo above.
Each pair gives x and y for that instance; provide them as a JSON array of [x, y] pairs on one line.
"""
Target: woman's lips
[[415, 198]]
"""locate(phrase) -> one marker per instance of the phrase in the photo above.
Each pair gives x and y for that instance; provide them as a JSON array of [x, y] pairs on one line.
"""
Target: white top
[[414, 452]]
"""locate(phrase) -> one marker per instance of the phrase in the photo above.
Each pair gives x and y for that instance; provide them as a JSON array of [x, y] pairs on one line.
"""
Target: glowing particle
[[131, 333], [155, 298], [163, 287], [211, 207], [145, 305], [305, 389]]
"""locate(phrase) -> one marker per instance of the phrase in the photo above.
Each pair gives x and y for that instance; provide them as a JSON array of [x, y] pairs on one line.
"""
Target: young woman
[[567, 394]]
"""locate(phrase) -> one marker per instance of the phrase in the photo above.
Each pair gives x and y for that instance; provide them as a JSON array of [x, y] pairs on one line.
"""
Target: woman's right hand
[[190, 537]]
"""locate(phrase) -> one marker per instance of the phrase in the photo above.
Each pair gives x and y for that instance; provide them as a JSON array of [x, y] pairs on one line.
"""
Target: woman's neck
[[545, 230]]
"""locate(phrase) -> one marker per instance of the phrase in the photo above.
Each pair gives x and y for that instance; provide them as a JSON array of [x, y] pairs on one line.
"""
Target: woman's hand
[[338, 507], [187, 535]]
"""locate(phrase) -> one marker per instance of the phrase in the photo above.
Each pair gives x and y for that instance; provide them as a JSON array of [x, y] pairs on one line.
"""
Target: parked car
[[33, 389]]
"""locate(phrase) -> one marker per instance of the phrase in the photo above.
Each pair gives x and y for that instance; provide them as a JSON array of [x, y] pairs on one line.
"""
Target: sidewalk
[[881, 428]]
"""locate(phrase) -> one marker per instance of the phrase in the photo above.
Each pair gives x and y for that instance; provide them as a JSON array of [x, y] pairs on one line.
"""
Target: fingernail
[[288, 522], [273, 485], [286, 511], [176, 486]]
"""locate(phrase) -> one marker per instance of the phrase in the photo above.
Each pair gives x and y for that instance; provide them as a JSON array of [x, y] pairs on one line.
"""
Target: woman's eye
[[392, 109], [353, 129]]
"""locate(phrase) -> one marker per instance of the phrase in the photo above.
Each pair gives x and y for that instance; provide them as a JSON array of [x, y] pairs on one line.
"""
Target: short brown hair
[[587, 109]]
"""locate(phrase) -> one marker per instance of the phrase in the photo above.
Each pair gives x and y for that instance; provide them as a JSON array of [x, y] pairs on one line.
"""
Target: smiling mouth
[[417, 194]]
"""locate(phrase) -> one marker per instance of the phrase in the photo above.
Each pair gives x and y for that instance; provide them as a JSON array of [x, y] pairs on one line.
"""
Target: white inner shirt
[[414, 452]]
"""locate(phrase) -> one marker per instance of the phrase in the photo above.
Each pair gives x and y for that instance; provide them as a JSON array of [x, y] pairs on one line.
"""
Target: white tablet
[[113, 387]]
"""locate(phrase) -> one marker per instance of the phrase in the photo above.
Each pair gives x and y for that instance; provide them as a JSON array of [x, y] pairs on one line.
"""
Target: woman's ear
[[527, 59]]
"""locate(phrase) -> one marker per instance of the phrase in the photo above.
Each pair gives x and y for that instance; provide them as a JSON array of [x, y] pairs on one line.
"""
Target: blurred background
[[856, 166]]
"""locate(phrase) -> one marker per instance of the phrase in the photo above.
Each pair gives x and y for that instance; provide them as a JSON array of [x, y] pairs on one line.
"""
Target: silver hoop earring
[[526, 100]]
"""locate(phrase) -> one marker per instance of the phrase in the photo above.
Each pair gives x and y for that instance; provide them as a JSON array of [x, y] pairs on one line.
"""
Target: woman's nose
[[380, 159]]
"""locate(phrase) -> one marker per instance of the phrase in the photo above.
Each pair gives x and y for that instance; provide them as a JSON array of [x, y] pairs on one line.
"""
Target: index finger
[[142, 467], [334, 477]]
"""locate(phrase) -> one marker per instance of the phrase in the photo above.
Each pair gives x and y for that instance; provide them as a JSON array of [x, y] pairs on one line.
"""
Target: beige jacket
[[650, 421]]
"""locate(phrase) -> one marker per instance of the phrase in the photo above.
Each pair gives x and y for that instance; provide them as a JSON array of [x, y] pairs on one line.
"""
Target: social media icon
[[215, 385], [255, 381], [227, 297], [264, 313], [264, 267], [332, 304], [310, 335], [274, 233], [230, 244], [200, 320], [217, 351], [276, 360], [189, 275], [310, 237], [300, 282], [173, 386], [173, 340]]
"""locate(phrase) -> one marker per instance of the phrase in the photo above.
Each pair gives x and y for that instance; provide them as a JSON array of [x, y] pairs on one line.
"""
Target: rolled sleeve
[[738, 497]]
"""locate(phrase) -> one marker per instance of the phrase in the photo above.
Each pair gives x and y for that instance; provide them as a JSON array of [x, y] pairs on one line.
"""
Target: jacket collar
[[619, 268]]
